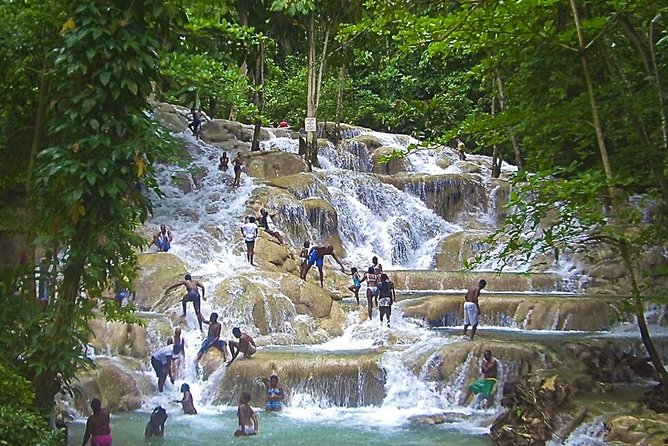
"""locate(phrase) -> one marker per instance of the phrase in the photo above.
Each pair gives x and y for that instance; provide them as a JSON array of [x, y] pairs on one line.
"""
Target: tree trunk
[[339, 99], [511, 131], [311, 108], [259, 97], [496, 152]]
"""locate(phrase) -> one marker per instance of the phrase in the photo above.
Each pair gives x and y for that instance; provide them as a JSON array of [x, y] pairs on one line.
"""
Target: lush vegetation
[[572, 90]]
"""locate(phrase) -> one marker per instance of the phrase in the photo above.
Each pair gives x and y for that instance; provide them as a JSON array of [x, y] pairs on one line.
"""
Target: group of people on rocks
[[238, 163]]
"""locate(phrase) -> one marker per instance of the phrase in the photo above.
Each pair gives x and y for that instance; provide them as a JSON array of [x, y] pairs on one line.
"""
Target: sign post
[[309, 124]]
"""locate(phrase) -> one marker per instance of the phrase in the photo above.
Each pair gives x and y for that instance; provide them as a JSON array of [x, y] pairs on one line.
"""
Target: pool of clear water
[[276, 430]]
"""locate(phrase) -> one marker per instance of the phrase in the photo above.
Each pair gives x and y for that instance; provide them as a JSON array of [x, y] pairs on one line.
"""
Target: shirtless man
[[489, 368], [472, 308], [246, 345], [191, 296], [163, 239], [317, 256], [213, 337]]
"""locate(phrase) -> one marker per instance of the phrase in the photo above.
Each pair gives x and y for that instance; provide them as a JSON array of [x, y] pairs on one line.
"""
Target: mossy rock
[[393, 167], [156, 272], [115, 386], [458, 247]]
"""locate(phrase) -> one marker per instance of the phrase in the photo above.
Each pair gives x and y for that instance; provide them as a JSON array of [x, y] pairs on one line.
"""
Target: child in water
[[248, 423], [187, 401], [357, 284]]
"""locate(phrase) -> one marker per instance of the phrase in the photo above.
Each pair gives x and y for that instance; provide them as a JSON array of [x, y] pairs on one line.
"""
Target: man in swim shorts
[[163, 239], [317, 256], [191, 296], [245, 345], [213, 337], [487, 385], [472, 308]]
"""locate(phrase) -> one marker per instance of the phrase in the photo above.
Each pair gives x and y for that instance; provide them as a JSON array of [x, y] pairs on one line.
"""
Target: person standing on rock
[[303, 254], [317, 256], [245, 345], [163, 239], [357, 284], [472, 308], [386, 299], [238, 165], [196, 122], [269, 227], [191, 296], [161, 361], [178, 352], [213, 337], [372, 277], [375, 264], [489, 369], [224, 161], [250, 232], [97, 426]]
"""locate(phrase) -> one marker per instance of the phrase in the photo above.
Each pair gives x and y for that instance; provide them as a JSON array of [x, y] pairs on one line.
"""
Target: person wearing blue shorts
[[317, 257]]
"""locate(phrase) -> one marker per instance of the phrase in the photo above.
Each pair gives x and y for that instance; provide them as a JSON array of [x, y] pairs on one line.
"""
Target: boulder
[[156, 272], [169, 117], [394, 167], [274, 164], [220, 130], [183, 181], [460, 246], [302, 185], [639, 428], [114, 385]]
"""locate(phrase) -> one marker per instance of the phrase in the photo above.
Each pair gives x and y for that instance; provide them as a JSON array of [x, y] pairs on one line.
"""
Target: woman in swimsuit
[[275, 394], [238, 164], [371, 278], [248, 423], [357, 284]]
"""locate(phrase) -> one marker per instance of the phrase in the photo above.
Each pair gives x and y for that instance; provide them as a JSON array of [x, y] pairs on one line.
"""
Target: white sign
[[309, 124]]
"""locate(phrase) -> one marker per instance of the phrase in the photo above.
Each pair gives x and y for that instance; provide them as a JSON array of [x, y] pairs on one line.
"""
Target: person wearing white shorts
[[472, 308]]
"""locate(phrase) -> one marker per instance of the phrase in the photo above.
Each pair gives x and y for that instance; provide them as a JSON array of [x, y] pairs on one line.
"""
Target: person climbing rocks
[[317, 257], [245, 345], [178, 352], [213, 337], [248, 423], [303, 254], [275, 394], [161, 361], [472, 308], [238, 165], [192, 295], [196, 122], [186, 402], [489, 369], [156, 423], [224, 161], [386, 298], [371, 277], [357, 284], [269, 227], [163, 239], [250, 232], [97, 426]]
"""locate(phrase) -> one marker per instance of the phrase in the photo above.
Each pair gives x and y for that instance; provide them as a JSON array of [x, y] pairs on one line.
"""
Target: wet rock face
[[115, 386], [170, 117], [156, 272], [274, 164], [347, 381], [537, 313]]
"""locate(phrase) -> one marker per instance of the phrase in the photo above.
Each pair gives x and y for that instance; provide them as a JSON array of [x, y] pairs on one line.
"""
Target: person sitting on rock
[[163, 239], [317, 257], [269, 227], [487, 385], [245, 345], [156, 423], [187, 401], [213, 338], [275, 394]]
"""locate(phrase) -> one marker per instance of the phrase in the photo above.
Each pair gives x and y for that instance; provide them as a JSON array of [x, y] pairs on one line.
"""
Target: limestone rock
[[274, 164], [112, 384], [638, 429], [460, 246], [302, 185], [156, 272], [169, 117], [394, 167], [351, 380], [220, 130]]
